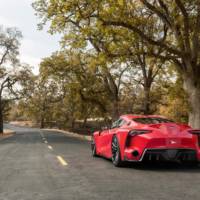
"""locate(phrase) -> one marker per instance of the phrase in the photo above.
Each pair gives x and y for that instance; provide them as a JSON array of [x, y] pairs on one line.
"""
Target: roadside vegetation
[[14, 77], [115, 57]]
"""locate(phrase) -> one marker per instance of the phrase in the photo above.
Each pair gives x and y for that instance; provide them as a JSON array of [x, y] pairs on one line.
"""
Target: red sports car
[[142, 138]]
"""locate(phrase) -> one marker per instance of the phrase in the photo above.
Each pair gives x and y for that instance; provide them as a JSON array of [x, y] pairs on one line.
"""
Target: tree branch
[[186, 24], [195, 37], [143, 35], [158, 12], [4, 56]]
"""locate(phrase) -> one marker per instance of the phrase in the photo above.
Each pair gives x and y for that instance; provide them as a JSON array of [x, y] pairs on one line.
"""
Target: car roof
[[132, 116]]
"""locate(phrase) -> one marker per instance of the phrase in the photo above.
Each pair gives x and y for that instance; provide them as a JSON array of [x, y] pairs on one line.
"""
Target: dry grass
[[23, 123]]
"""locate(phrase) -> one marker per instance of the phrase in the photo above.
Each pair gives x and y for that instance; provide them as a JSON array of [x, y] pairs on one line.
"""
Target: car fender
[[95, 136], [122, 136]]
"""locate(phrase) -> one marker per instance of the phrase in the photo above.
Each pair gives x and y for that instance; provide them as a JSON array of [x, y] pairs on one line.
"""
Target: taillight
[[196, 132], [138, 132], [135, 132]]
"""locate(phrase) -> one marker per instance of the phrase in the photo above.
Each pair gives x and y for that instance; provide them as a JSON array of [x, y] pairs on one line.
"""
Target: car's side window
[[115, 124], [121, 123], [118, 123]]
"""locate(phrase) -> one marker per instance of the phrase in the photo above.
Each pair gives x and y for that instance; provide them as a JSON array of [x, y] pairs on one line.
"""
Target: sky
[[35, 44]]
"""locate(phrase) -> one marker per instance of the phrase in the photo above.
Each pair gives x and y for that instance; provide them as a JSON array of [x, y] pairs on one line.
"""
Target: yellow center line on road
[[50, 147], [62, 161]]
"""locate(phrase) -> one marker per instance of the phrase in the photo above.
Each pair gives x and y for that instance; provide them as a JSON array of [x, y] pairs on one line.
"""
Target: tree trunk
[[72, 122], [193, 90], [1, 118], [84, 122], [42, 122], [146, 108], [115, 109], [42, 115]]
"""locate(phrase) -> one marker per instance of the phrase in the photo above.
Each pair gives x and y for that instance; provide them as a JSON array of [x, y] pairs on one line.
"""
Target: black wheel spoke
[[116, 155], [93, 147], [115, 149]]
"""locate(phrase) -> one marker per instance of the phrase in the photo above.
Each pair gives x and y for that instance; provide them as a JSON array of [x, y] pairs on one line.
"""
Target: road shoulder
[[7, 133], [75, 135]]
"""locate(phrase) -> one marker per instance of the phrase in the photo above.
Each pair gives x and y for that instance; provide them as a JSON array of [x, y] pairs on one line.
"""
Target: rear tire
[[116, 153], [93, 148]]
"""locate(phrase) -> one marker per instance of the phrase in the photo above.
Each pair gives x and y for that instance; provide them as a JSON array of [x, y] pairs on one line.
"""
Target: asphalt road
[[40, 165]]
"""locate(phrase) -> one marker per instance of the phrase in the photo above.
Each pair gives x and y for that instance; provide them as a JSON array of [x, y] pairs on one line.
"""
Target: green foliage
[[14, 78], [116, 55], [175, 103]]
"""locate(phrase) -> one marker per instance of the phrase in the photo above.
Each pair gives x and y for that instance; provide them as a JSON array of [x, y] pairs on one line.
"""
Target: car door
[[102, 141], [104, 137]]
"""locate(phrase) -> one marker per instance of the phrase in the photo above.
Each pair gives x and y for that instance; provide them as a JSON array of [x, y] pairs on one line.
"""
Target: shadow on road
[[164, 166], [158, 166]]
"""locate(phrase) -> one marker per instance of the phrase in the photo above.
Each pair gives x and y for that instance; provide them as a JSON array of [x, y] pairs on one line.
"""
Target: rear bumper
[[164, 155], [170, 155]]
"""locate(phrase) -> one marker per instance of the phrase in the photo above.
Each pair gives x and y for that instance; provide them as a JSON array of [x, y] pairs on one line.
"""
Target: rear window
[[152, 120]]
